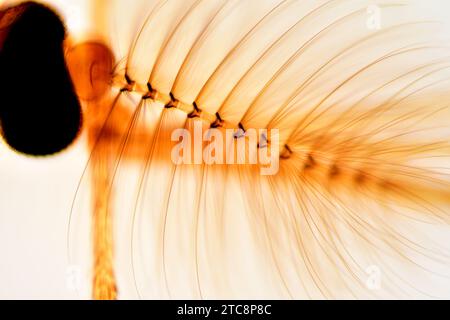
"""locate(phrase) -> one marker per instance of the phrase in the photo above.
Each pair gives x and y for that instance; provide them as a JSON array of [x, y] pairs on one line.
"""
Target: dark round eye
[[39, 111]]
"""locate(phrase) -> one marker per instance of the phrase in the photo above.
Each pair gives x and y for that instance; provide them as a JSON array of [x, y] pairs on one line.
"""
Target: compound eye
[[39, 110]]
